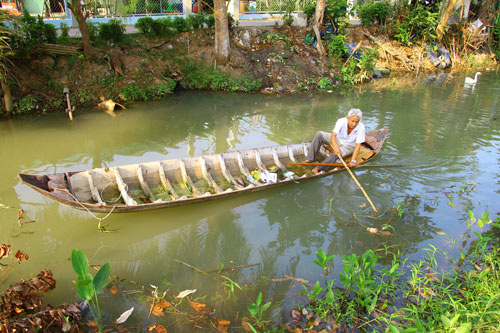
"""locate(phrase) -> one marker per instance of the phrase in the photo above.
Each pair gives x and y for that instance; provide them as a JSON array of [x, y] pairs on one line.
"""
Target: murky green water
[[445, 135]]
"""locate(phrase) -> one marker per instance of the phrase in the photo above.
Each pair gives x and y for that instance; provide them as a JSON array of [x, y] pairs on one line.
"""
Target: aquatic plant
[[87, 286]]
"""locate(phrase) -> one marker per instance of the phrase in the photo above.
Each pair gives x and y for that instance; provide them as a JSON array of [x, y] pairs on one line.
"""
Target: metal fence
[[273, 6], [106, 8]]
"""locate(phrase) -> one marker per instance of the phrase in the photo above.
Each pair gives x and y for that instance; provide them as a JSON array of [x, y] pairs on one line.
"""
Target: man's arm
[[355, 155], [333, 143]]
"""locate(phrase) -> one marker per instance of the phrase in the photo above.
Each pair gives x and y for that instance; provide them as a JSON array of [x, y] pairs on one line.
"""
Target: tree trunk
[[318, 23], [221, 32], [7, 96], [76, 8], [448, 10]]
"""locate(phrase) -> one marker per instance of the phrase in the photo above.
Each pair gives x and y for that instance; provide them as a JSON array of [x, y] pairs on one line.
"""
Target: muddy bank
[[268, 60]]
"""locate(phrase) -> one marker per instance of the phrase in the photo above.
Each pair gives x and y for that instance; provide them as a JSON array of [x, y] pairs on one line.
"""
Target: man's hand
[[351, 164]]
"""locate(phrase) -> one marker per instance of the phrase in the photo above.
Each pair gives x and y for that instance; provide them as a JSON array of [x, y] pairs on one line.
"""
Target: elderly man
[[345, 139]]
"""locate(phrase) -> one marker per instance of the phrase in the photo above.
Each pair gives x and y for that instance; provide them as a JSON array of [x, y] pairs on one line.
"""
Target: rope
[[100, 219]]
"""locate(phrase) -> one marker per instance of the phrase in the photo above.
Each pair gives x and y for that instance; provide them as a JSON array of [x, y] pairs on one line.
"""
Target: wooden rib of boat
[[176, 182]]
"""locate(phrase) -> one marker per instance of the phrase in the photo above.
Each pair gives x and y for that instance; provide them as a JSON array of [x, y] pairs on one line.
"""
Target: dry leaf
[[124, 316], [199, 307], [372, 230], [158, 328], [113, 290], [4, 250], [158, 312], [440, 233], [363, 205], [185, 293], [223, 326], [224, 323], [296, 315], [244, 324], [92, 323], [20, 255], [317, 321]]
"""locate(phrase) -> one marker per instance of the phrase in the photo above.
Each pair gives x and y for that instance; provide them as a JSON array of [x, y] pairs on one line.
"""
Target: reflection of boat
[[176, 182]]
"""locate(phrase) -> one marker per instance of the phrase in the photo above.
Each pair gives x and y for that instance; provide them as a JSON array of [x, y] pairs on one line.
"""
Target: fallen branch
[[192, 267], [232, 268], [290, 278]]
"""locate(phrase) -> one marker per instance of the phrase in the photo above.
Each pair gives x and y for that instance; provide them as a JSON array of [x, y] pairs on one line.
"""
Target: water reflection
[[442, 136]]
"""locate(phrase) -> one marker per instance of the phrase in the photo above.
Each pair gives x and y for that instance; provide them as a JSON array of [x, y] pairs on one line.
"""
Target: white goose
[[472, 81]]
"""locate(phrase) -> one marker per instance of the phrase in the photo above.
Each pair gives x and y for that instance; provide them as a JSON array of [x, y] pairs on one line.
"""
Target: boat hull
[[176, 182]]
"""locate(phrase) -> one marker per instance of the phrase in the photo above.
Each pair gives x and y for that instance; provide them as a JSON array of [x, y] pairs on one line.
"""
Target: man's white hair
[[355, 112]]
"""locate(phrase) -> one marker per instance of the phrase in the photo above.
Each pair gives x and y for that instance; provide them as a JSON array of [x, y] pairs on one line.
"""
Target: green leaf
[[454, 320], [446, 322], [259, 299], [85, 291], [464, 328], [82, 282], [329, 297], [253, 309], [252, 328], [79, 262], [393, 329], [101, 278], [266, 306], [471, 216], [480, 223]]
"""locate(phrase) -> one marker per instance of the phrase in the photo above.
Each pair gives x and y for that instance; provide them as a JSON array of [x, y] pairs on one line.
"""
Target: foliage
[[199, 76], [336, 46], [161, 89], [495, 44], [92, 29], [33, 32], [415, 297], [288, 17], [416, 24], [336, 13], [310, 10], [257, 310], [87, 286], [374, 12], [180, 24], [113, 30], [195, 21], [26, 104], [210, 21], [133, 92]]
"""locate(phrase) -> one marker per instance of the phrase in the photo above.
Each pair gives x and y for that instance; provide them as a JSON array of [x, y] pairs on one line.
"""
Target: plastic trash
[[290, 175], [269, 177], [252, 180]]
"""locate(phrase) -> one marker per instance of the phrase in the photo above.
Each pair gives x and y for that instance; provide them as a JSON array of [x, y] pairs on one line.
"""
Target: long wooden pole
[[357, 182], [340, 164]]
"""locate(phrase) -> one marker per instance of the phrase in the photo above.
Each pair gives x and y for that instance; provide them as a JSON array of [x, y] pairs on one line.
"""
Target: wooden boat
[[176, 182]]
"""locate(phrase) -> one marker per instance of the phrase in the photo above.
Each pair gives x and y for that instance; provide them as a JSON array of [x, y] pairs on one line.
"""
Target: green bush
[[210, 21], [372, 13], [336, 46], [93, 30], [198, 76], [416, 24], [336, 13], [496, 40], [161, 89], [26, 104], [33, 33], [145, 25], [180, 24], [133, 92], [112, 31], [195, 21]]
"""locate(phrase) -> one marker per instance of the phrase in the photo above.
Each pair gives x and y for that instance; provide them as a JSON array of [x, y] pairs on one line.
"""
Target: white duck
[[472, 81]]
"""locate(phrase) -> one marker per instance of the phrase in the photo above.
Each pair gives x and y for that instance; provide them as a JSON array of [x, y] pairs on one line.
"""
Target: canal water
[[445, 136]]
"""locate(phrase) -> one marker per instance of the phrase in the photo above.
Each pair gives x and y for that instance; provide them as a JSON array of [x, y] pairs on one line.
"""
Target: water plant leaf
[[158, 328], [79, 262], [186, 292], [253, 309], [266, 306], [158, 308], [124, 316], [101, 278]]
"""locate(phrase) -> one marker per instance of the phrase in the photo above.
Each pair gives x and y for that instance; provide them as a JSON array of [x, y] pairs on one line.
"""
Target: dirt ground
[[278, 57]]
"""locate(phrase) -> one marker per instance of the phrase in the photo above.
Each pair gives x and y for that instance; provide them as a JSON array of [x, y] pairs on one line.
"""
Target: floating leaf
[[198, 307], [158, 328], [363, 205], [21, 255], [372, 230], [124, 316], [296, 315], [185, 293], [440, 233], [4, 250], [245, 325], [113, 290], [158, 308]]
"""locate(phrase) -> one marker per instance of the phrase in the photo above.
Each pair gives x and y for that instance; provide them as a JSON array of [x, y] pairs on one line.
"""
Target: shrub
[[372, 13], [93, 30], [180, 24], [26, 104], [145, 25], [210, 21], [195, 21], [336, 46], [133, 92], [33, 33], [416, 24], [496, 40], [112, 31]]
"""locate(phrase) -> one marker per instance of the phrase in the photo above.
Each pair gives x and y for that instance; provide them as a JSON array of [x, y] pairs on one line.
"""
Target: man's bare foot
[[307, 161], [317, 172]]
